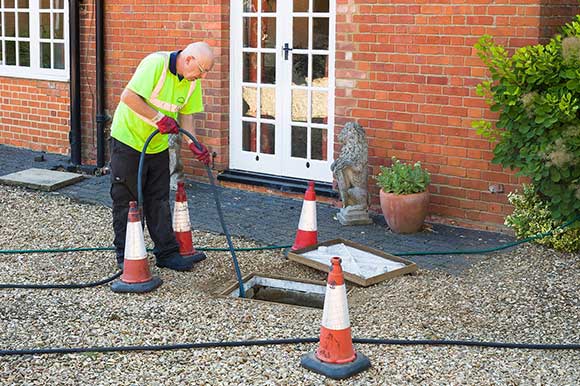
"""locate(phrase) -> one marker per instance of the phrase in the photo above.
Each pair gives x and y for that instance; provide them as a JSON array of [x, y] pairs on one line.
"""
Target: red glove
[[201, 155], [167, 125]]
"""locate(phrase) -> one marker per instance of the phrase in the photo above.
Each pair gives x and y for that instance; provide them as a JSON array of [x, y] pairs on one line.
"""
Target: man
[[165, 89]]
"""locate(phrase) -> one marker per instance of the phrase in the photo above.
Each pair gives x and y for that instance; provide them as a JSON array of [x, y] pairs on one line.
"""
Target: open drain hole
[[281, 290], [280, 295]]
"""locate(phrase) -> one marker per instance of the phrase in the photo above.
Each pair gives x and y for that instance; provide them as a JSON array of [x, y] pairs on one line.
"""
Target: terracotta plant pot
[[405, 213]]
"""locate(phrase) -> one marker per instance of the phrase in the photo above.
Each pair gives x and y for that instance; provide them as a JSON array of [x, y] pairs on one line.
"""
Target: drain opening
[[280, 295], [281, 290]]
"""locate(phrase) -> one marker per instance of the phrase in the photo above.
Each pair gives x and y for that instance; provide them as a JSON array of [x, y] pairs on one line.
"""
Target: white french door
[[282, 87]]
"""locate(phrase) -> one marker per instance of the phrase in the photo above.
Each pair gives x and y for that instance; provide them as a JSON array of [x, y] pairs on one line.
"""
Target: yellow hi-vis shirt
[[163, 91]]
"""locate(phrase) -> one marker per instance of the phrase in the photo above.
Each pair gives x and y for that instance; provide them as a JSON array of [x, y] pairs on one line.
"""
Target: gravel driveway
[[528, 295]]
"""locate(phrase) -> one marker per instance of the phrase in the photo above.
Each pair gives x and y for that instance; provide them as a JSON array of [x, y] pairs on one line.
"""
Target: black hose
[[62, 286], [267, 342], [215, 194], [471, 343]]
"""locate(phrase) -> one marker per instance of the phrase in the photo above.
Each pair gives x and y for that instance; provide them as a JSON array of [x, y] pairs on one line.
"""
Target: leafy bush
[[402, 178], [532, 216], [537, 94]]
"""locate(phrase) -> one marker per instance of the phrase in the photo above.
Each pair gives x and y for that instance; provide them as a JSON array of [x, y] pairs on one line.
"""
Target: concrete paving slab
[[41, 179]]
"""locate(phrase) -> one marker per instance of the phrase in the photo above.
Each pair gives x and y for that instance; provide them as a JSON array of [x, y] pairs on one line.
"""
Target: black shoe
[[177, 262]]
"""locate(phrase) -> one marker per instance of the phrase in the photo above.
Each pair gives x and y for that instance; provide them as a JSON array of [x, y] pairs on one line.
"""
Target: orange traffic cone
[[307, 234], [136, 276], [335, 356], [182, 226]]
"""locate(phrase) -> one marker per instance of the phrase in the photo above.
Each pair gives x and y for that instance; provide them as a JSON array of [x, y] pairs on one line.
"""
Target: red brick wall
[[412, 70], [553, 14], [34, 114]]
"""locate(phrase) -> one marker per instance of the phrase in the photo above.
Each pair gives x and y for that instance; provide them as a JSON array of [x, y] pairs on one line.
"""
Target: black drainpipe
[[101, 117], [75, 84]]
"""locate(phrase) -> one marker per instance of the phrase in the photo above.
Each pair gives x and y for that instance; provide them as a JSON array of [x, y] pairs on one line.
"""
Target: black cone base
[[148, 286], [335, 371]]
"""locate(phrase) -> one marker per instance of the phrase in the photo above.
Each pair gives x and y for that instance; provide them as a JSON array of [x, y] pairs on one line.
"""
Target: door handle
[[286, 49]]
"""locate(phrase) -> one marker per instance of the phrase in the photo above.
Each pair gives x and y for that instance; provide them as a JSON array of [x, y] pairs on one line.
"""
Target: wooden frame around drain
[[409, 267]]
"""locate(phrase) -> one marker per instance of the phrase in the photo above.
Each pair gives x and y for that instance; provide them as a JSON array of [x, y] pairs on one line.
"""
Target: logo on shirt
[[180, 100]]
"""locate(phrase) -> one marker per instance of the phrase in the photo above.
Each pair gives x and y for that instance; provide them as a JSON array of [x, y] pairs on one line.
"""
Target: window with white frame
[[34, 39]]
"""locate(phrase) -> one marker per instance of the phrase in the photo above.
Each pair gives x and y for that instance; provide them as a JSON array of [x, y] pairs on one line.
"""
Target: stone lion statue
[[350, 170]]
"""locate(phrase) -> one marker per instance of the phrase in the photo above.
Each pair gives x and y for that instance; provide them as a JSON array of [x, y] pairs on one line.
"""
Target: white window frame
[[35, 71]]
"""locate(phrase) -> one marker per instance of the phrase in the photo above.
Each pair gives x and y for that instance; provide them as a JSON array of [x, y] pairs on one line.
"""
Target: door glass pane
[[269, 32], [8, 3], [320, 6], [299, 105], [45, 57], [248, 136], [9, 24], [318, 144], [250, 5], [45, 25], [250, 67], [320, 31], [22, 4], [267, 138], [24, 54], [320, 70], [268, 5], [268, 102], [298, 148], [251, 32], [300, 32], [11, 53], [300, 5], [58, 4], [45, 4], [299, 69], [59, 56], [58, 28], [269, 68], [23, 26], [249, 102], [319, 107]]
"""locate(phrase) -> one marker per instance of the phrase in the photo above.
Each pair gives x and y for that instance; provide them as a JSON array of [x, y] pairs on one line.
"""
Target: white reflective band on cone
[[181, 217], [308, 216], [335, 314], [134, 242]]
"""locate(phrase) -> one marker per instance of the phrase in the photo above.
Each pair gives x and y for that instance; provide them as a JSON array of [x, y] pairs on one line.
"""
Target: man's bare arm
[[138, 104]]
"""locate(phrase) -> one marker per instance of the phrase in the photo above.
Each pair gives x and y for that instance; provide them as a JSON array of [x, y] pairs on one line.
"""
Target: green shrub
[[537, 94], [532, 216], [402, 178]]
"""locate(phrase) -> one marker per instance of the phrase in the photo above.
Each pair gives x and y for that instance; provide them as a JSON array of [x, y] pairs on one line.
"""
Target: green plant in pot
[[404, 195]]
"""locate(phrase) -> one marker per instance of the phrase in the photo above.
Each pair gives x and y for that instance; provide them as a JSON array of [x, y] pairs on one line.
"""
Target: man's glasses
[[201, 69]]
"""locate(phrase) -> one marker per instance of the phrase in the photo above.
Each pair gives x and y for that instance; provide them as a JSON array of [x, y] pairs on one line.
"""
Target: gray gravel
[[530, 294]]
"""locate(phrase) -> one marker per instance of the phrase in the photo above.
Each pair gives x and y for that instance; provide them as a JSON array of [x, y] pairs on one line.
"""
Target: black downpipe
[[75, 83], [101, 117]]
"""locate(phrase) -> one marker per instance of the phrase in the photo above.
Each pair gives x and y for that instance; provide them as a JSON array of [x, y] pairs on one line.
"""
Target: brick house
[[290, 74]]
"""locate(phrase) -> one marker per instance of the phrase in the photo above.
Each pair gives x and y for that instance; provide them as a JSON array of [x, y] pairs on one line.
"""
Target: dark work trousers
[[155, 180]]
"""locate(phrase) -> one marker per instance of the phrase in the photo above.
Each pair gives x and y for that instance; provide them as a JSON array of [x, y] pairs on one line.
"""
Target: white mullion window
[[34, 39]]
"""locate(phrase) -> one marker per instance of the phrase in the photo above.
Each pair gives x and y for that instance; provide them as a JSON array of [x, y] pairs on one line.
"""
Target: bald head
[[202, 52], [195, 61]]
